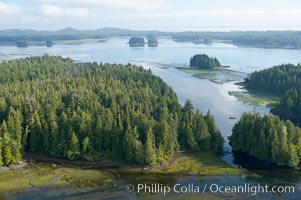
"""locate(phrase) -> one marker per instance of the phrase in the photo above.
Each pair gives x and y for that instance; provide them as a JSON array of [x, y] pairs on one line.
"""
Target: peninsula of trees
[[52, 105], [283, 80], [136, 42], [259, 39], [268, 139], [203, 61]]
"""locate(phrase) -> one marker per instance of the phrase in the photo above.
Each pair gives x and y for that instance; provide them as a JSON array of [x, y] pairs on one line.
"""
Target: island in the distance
[[21, 43], [136, 42], [152, 41], [203, 61], [49, 43], [204, 67]]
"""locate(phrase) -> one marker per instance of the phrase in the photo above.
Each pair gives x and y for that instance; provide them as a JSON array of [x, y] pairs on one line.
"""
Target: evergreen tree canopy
[[203, 61], [277, 80], [284, 80], [136, 42], [267, 138], [52, 105]]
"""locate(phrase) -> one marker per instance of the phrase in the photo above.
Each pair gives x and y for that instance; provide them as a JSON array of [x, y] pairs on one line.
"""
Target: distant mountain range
[[33, 37], [69, 33]]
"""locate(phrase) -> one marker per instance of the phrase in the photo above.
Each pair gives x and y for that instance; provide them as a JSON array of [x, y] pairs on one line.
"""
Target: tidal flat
[[255, 98], [222, 75], [218, 76], [43, 171]]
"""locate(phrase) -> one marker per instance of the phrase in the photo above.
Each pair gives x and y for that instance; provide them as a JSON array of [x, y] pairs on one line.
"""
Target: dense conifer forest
[[152, 42], [284, 80], [260, 39], [136, 42], [267, 138], [89, 111], [203, 61], [278, 79], [289, 106]]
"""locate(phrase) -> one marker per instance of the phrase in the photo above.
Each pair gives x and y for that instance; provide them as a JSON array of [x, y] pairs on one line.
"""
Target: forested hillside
[[289, 106], [260, 39], [267, 138], [52, 105], [284, 80], [278, 79]]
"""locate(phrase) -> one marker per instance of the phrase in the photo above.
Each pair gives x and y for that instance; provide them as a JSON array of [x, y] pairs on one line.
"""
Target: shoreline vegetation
[[283, 80], [220, 75], [91, 143], [255, 98], [224, 75], [43, 170], [25, 44], [278, 134], [267, 138], [204, 67], [278, 141]]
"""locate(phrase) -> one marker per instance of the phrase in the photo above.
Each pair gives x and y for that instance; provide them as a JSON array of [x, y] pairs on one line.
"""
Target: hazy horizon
[[163, 15], [159, 30]]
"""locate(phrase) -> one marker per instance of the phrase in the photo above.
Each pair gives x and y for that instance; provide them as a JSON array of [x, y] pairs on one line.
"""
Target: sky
[[165, 15]]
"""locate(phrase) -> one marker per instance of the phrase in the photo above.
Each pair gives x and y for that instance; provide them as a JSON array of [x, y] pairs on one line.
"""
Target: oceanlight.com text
[[158, 188]]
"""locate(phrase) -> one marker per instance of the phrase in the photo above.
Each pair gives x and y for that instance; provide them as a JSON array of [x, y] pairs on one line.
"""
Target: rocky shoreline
[[20, 165]]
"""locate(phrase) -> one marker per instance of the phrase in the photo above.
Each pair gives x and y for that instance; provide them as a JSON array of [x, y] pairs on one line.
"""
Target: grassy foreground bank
[[45, 171]]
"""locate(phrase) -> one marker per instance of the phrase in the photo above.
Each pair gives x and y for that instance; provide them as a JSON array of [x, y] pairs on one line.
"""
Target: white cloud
[[216, 13], [150, 14], [213, 19], [9, 9], [51, 10], [130, 4]]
